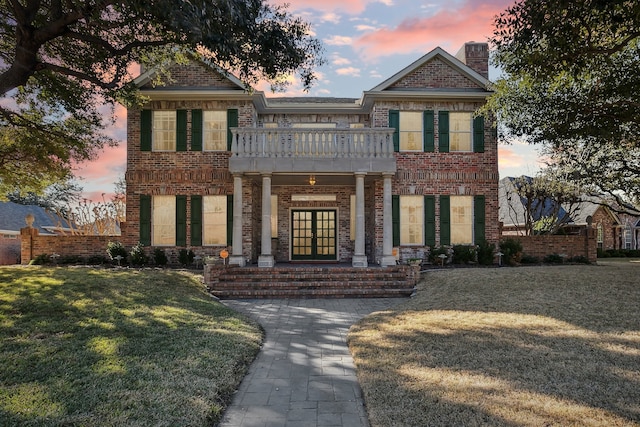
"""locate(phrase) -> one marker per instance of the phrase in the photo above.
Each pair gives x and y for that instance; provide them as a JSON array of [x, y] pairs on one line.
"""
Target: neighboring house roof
[[12, 217]]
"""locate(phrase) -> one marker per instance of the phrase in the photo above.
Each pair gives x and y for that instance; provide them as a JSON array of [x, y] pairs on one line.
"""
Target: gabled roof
[[446, 57], [12, 217]]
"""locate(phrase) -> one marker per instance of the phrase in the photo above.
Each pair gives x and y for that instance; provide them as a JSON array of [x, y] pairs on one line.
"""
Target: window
[[352, 217], [626, 237], [460, 131], [164, 131], [410, 131], [411, 218], [214, 132], [600, 236], [163, 220], [214, 214], [461, 220], [274, 215]]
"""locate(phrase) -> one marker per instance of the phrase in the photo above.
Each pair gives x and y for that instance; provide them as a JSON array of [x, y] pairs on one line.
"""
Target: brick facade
[[191, 173], [571, 246]]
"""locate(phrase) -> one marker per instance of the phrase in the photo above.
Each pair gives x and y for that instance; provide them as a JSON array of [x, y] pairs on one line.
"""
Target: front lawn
[[529, 346], [98, 347]]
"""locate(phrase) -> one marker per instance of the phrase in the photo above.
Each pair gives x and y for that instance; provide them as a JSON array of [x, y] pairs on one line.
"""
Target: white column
[[237, 257], [266, 258], [387, 224], [359, 257]]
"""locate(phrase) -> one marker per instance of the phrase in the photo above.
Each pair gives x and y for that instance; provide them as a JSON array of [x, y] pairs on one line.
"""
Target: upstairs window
[[410, 131], [460, 131], [164, 130], [214, 131]]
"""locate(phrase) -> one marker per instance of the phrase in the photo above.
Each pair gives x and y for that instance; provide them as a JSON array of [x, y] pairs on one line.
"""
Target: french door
[[313, 235]]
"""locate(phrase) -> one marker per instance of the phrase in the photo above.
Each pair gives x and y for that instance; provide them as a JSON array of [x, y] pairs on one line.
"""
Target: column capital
[[388, 174]]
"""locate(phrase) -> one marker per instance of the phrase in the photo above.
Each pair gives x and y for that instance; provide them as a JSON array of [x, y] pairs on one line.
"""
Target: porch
[[310, 281], [286, 156]]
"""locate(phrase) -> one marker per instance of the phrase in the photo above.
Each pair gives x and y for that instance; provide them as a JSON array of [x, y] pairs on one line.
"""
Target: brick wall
[[9, 250], [435, 74], [571, 246], [32, 245]]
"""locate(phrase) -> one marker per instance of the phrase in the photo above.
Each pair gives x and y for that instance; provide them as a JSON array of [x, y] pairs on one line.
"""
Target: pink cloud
[[448, 28]]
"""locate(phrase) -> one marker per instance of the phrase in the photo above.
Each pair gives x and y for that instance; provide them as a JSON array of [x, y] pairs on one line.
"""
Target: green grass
[[530, 346], [103, 347]]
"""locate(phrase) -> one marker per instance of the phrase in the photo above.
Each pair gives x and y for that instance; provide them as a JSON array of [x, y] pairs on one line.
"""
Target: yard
[[528, 346], [83, 346]]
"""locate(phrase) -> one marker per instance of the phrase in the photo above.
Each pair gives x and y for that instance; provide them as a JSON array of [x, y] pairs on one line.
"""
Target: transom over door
[[313, 235]]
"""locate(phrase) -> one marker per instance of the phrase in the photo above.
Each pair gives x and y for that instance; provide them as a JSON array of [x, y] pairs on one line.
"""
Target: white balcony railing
[[312, 143]]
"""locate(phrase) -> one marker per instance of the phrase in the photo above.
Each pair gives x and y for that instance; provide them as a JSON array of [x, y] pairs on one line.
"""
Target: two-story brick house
[[406, 167]]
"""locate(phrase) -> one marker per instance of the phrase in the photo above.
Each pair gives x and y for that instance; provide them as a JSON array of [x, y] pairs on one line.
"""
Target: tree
[[57, 197], [64, 65], [572, 82], [543, 204]]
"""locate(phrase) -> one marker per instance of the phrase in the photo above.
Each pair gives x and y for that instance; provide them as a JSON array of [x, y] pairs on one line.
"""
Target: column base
[[266, 261], [388, 261], [359, 261], [237, 260]]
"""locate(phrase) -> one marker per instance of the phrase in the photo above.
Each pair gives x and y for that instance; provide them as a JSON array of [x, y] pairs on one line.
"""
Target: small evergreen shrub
[[97, 260], [115, 249], [138, 256], [186, 256], [434, 255], [553, 259], [512, 251], [529, 259], [42, 259], [160, 257], [71, 260], [486, 253], [464, 254]]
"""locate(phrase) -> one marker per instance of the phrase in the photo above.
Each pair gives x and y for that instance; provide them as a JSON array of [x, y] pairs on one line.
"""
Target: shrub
[[512, 251], [160, 257], [553, 259], [115, 249], [96, 260], [529, 259], [186, 256], [486, 253], [42, 259], [434, 255], [464, 254], [138, 256], [71, 259]]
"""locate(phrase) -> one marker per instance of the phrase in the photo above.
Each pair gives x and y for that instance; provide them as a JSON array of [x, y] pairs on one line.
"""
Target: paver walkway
[[304, 375]]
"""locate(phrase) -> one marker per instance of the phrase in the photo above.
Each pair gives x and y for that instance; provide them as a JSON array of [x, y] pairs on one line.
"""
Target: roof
[[12, 217]]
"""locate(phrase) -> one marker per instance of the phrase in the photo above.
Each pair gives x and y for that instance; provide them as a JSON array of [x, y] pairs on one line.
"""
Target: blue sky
[[365, 42]]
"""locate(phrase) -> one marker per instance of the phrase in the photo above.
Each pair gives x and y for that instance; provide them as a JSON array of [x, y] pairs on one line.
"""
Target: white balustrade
[[312, 143]]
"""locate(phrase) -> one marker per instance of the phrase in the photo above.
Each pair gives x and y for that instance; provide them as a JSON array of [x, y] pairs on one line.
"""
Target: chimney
[[475, 56]]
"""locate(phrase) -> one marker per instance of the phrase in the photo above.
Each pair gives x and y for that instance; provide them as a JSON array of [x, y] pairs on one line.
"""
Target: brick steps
[[310, 282]]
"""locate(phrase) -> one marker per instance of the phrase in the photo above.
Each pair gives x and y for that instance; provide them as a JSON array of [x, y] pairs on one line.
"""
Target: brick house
[[368, 181]]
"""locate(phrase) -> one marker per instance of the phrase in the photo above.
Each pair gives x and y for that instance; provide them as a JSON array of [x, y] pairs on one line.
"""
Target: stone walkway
[[304, 375]]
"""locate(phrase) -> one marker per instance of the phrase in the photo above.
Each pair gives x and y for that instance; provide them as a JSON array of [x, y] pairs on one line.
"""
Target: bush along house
[[370, 181]]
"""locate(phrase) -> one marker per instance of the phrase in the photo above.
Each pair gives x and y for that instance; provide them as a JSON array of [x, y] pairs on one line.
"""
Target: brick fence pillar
[[27, 235]]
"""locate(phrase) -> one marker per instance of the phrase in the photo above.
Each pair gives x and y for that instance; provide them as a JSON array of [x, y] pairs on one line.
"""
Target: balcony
[[306, 150]]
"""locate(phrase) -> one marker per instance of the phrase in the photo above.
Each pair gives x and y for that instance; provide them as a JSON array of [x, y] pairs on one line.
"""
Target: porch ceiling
[[302, 180]]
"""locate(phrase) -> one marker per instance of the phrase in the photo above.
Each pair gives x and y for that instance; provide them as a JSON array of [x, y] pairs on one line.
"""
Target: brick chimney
[[475, 56]]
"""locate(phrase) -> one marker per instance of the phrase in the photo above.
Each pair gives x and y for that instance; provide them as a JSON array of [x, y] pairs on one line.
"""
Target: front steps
[[309, 281]]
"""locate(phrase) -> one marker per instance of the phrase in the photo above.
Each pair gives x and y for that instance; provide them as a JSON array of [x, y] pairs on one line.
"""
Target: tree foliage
[[572, 83], [64, 65]]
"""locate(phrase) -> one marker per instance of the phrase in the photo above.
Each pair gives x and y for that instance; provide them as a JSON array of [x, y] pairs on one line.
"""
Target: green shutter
[[196, 130], [395, 219], [232, 122], [445, 220], [430, 220], [196, 220], [394, 122], [443, 131], [478, 134], [181, 220], [230, 220], [181, 130], [429, 136], [145, 130], [145, 220], [478, 219]]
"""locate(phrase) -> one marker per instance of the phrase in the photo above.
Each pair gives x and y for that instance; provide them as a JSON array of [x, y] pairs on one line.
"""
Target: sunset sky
[[365, 41]]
